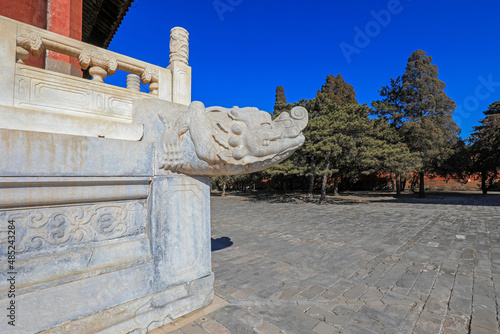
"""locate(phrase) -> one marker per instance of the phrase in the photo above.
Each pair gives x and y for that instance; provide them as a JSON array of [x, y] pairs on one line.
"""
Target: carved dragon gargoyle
[[216, 140]]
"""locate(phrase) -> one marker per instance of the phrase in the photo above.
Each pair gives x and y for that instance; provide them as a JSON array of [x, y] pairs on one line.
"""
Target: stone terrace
[[361, 265]]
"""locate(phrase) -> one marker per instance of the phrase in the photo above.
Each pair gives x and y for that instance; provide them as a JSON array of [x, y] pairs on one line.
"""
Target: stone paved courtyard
[[372, 265]]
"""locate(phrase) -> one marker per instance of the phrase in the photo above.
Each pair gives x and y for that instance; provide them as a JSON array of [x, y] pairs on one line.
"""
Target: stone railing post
[[181, 71]]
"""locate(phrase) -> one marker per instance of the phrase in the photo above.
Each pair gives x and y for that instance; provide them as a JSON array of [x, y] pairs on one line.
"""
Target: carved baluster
[[134, 82], [101, 63], [151, 76], [179, 45], [28, 41]]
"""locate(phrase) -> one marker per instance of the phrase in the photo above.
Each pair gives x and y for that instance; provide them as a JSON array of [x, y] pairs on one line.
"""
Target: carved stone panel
[[50, 91], [40, 229], [185, 225]]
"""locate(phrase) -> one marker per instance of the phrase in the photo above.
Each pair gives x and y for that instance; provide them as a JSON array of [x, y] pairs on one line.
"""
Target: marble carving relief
[[72, 225], [216, 140]]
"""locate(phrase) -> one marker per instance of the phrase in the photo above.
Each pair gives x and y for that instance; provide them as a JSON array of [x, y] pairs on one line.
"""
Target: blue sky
[[240, 50]]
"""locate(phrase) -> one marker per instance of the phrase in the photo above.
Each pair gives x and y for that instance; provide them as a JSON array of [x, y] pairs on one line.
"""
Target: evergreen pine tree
[[280, 104], [322, 136], [391, 108], [419, 108], [337, 90], [485, 147], [395, 156]]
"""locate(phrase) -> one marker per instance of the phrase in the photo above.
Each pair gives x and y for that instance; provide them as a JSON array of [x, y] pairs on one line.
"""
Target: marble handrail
[[172, 83], [36, 95], [100, 62]]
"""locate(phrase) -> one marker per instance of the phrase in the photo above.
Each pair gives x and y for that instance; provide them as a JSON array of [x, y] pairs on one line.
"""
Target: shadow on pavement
[[221, 243]]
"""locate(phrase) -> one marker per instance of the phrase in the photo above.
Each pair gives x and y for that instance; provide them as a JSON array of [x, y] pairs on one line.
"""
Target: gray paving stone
[[380, 316], [213, 327], [324, 328], [295, 315], [267, 328], [353, 328], [355, 291], [474, 329], [337, 290], [225, 318], [312, 292], [246, 316], [193, 329], [485, 319]]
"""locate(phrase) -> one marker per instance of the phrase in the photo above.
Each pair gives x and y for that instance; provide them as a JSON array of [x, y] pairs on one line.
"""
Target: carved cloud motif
[[55, 227], [90, 57], [30, 41]]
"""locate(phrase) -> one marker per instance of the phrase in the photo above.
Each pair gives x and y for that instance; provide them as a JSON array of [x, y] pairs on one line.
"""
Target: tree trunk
[[403, 184], [323, 184], [323, 188], [421, 188], [413, 183], [335, 185], [224, 189], [398, 184], [391, 176], [483, 184], [311, 185]]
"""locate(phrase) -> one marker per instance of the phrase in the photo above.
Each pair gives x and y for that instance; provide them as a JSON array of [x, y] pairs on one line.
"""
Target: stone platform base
[[144, 314]]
